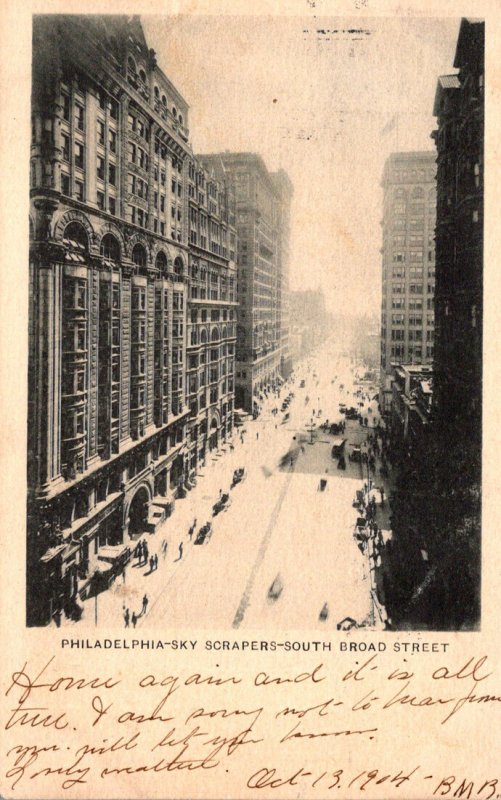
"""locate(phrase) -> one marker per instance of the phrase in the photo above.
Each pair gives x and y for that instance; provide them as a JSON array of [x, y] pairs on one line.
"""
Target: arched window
[[214, 335], [139, 255], [203, 336], [164, 100], [131, 65], [76, 236], [161, 261], [178, 266], [157, 93], [180, 119], [110, 247], [142, 75], [174, 112]]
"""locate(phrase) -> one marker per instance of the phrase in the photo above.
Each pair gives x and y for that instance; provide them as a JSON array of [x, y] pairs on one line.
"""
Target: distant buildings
[[262, 221], [309, 319], [408, 257]]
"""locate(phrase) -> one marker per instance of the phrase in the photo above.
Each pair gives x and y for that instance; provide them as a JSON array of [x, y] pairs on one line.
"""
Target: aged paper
[[245, 700]]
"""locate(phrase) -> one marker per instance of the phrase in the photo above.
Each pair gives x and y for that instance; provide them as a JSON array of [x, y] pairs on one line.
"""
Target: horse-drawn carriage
[[204, 533], [238, 476]]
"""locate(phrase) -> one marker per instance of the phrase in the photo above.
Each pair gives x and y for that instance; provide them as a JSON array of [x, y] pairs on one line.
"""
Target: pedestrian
[[155, 561], [126, 617], [151, 562], [382, 495], [180, 552], [139, 551], [145, 604], [164, 547], [145, 552], [134, 619], [257, 434]]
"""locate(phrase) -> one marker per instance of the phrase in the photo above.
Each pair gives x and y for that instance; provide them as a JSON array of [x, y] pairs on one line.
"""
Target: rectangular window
[[79, 190], [66, 107], [112, 206], [100, 200], [66, 147], [112, 141], [79, 155], [65, 183], [100, 131], [100, 168], [162, 202], [132, 152], [112, 174], [79, 117]]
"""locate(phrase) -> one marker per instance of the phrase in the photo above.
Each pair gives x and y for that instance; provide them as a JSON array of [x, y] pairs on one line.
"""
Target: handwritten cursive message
[[313, 731]]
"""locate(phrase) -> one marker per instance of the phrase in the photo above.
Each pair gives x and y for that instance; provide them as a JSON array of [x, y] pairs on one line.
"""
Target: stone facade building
[[408, 255], [262, 207], [123, 304], [459, 108]]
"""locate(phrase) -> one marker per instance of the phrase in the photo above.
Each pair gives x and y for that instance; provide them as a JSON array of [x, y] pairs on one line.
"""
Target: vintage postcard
[[250, 348]]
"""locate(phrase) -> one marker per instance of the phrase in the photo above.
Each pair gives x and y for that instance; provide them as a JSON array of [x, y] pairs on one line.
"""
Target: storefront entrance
[[138, 512]]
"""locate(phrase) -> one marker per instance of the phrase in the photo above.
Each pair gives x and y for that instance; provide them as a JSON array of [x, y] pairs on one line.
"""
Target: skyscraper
[[408, 256], [262, 203], [115, 430]]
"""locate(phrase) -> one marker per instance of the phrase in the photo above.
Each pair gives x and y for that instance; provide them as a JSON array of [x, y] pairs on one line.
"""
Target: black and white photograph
[[255, 323]]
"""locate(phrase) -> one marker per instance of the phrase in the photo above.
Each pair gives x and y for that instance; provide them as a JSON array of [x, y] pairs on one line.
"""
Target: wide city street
[[283, 554]]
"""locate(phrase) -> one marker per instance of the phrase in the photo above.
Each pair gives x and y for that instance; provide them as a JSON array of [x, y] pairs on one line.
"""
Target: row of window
[[414, 288], [398, 335], [398, 351]]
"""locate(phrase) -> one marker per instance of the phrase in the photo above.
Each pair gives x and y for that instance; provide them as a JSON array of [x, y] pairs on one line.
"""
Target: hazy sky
[[314, 103]]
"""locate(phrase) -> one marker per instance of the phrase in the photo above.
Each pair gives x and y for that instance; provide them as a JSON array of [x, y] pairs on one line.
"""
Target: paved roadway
[[278, 524]]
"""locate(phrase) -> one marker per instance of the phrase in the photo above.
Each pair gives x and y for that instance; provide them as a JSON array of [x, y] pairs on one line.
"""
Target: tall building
[[457, 396], [408, 256], [116, 428], [263, 206], [212, 305], [459, 108], [436, 505]]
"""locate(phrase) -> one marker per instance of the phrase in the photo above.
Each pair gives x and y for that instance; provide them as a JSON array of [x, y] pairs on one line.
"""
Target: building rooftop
[[445, 83]]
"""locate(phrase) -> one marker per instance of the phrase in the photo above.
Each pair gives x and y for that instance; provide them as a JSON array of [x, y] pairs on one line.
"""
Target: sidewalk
[[259, 450]]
